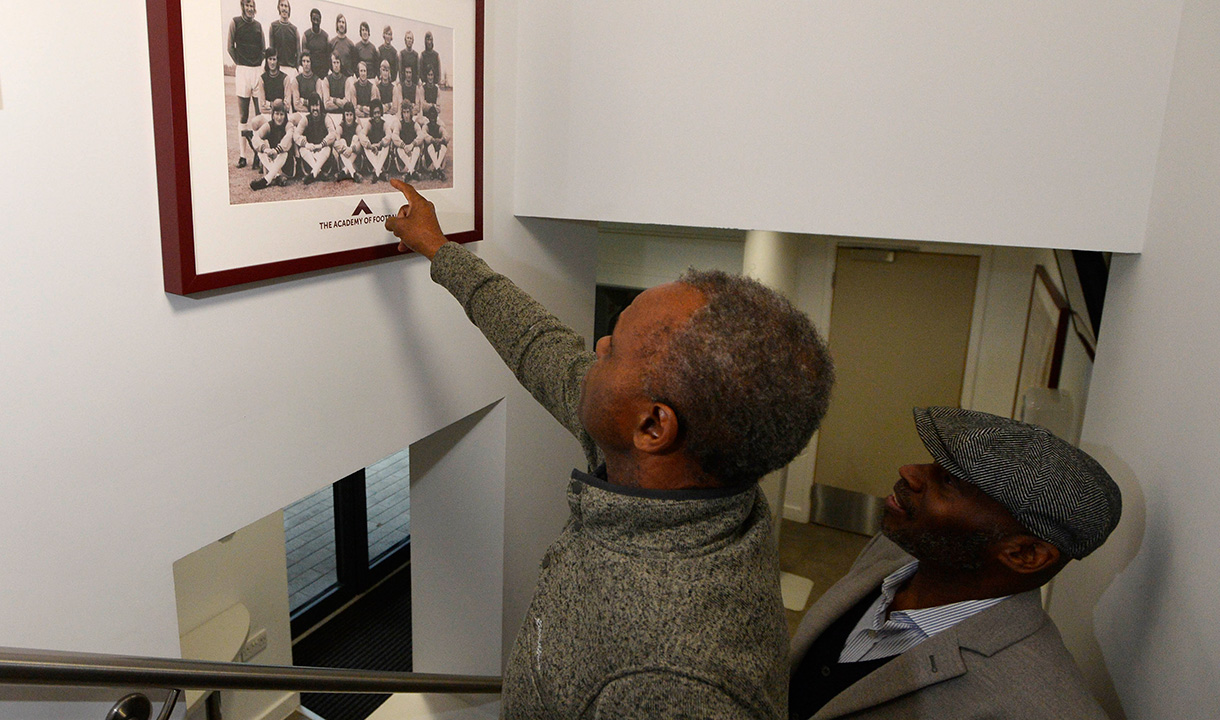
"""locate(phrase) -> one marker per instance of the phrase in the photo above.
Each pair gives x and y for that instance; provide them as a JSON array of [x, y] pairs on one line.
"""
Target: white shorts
[[247, 79]]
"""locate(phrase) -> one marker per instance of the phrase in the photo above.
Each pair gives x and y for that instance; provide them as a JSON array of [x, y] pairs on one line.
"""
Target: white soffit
[[1030, 123]]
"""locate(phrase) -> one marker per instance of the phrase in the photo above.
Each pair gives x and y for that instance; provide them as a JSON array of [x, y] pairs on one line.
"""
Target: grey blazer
[[1008, 661]]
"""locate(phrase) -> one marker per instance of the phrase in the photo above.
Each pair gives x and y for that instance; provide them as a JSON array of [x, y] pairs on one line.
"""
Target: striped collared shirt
[[875, 637]]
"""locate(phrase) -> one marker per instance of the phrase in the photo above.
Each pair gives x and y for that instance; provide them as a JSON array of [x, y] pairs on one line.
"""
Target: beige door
[[899, 330]]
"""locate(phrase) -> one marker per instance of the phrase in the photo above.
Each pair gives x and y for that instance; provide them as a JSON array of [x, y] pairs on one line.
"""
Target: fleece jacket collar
[[642, 521]]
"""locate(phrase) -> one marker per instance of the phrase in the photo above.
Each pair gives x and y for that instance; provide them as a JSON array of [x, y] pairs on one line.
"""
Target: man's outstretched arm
[[548, 357]]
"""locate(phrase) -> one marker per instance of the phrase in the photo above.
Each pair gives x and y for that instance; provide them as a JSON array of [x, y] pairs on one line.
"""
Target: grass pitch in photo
[[310, 112]]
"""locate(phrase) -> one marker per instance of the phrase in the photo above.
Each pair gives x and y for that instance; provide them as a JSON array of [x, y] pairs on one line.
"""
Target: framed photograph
[[1046, 330], [279, 126]]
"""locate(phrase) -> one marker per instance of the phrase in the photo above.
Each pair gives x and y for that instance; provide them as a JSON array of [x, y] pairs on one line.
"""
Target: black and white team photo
[[314, 113]]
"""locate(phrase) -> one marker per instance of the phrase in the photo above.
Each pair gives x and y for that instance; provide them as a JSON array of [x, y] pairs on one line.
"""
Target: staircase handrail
[[21, 666]]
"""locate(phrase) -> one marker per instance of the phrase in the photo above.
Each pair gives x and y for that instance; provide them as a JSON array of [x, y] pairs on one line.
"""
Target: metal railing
[[47, 667]]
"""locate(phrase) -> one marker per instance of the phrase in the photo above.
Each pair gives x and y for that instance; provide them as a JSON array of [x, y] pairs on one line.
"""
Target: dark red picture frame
[[165, 49]]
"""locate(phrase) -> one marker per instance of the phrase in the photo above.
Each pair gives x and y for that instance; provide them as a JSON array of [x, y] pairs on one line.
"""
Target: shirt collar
[[928, 621]]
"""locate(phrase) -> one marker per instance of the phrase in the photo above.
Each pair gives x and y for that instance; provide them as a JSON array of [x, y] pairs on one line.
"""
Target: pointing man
[[660, 598]]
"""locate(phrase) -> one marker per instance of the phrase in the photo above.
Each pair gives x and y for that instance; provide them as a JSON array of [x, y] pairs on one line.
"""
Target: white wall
[[1140, 613], [457, 559], [247, 567], [138, 427], [640, 257], [1010, 123]]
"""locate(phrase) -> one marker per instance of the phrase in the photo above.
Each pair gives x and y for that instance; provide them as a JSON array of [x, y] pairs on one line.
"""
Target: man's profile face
[[247, 9], [409, 39], [612, 396], [942, 520]]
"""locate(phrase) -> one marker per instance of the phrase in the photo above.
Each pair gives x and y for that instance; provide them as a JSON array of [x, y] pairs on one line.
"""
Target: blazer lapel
[[939, 658], [934, 660]]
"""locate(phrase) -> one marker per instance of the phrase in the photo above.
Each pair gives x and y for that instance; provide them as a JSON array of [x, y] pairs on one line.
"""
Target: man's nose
[[912, 477]]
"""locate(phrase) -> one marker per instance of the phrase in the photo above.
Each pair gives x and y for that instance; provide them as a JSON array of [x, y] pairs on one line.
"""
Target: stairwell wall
[[139, 426]]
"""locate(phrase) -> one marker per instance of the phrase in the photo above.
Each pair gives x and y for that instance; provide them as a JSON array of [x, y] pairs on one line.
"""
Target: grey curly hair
[[749, 377]]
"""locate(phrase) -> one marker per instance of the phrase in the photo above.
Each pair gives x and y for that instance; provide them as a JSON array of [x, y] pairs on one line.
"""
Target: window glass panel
[[388, 492], [309, 529]]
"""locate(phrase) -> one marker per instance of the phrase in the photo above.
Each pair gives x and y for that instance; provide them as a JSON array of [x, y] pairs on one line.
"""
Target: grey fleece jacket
[[649, 604]]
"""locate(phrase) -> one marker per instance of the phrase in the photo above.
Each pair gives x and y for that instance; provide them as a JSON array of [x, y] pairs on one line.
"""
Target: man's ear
[[658, 430], [1026, 554]]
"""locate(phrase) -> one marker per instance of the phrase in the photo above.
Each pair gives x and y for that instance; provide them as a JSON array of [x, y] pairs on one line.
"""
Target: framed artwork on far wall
[[269, 165], [1046, 330]]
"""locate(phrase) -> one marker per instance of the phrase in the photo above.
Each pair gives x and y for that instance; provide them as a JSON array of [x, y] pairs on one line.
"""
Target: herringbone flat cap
[[1055, 490]]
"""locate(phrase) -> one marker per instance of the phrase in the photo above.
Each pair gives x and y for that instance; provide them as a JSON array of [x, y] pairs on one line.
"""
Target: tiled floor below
[[818, 553]]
